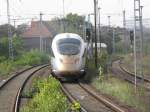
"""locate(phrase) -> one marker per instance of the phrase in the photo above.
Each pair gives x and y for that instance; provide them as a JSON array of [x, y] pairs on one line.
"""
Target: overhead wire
[[67, 7], [146, 4]]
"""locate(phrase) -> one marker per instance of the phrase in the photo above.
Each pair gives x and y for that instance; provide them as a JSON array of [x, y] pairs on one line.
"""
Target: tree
[[107, 37], [21, 28], [74, 18], [73, 23], [17, 46], [4, 30]]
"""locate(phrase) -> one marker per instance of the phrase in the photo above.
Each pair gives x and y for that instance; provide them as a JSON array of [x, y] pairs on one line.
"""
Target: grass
[[49, 97], [6, 67], [128, 63], [122, 91], [34, 57], [146, 65]]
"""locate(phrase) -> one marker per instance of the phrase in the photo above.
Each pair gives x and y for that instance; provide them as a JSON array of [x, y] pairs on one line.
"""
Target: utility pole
[[40, 28], [124, 31], [113, 41], [142, 38], [99, 28], [10, 38], [95, 18], [64, 29], [109, 22], [14, 22], [91, 34], [89, 27], [137, 41], [45, 46], [84, 29]]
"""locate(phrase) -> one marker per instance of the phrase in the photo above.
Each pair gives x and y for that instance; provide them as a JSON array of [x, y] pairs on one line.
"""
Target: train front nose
[[69, 67], [69, 64], [68, 59]]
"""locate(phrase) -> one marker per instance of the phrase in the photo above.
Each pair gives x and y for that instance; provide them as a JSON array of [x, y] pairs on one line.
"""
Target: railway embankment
[[26, 60], [119, 90]]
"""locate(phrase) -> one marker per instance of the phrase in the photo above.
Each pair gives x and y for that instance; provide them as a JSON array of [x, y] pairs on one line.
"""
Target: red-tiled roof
[[36, 30]]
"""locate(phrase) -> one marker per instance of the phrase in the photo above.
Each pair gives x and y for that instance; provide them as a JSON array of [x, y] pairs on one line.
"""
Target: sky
[[25, 10]]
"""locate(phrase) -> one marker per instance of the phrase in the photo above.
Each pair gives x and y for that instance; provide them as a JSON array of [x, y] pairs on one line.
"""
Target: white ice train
[[68, 59]]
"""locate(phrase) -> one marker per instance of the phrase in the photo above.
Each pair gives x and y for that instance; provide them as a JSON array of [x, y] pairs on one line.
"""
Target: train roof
[[67, 35], [103, 45]]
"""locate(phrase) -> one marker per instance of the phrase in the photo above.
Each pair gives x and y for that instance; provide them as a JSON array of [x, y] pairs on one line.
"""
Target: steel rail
[[132, 74], [17, 101], [3, 83], [70, 97], [102, 100], [14, 105]]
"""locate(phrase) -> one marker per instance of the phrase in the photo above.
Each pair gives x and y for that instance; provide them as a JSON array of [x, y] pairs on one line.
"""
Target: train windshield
[[69, 46]]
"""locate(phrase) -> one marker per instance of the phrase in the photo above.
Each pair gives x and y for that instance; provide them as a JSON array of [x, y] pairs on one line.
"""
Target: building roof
[[36, 30]]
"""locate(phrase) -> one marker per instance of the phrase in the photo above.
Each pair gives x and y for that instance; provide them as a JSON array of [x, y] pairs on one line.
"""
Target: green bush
[[2, 58], [17, 46], [119, 47], [76, 107], [146, 48], [34, 57], [103, 59], [48, 99], [6, 67]]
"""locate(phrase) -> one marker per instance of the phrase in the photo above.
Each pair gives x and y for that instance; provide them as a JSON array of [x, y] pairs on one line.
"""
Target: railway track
[[146, 79], [90, 101], [10, 89], [122, 73]]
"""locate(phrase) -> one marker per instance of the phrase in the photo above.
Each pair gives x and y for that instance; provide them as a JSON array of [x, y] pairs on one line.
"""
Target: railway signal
[[88, 34], [131, 37]]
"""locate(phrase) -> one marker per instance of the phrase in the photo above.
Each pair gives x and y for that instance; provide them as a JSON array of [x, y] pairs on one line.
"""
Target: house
[[37, 36]]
